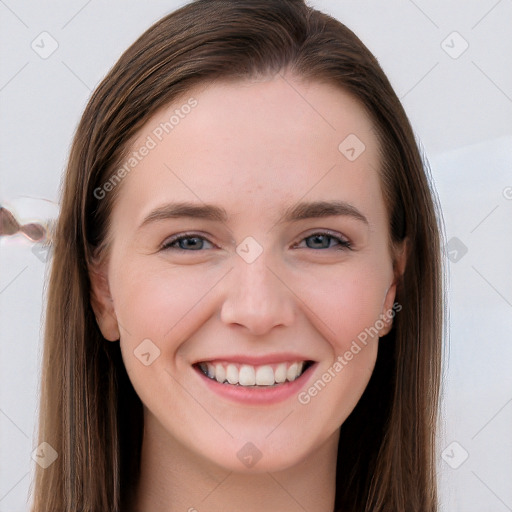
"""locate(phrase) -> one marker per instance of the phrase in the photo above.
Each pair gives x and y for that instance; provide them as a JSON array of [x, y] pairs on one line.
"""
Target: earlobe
[[102, 303]]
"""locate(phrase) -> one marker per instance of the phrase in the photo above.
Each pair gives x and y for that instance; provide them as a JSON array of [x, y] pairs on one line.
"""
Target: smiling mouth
[[246, 375]]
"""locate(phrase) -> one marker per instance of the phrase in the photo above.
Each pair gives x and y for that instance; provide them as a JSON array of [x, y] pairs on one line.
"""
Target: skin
[[254, 148]]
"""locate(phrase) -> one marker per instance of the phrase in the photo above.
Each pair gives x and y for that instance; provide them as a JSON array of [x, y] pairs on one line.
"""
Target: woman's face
[[266, 182]]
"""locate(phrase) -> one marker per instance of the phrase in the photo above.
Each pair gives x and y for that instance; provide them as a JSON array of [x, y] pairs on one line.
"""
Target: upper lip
[[256, 360]]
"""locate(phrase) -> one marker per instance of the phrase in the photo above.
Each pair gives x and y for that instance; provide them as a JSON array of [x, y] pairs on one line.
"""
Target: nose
[[257, 296]]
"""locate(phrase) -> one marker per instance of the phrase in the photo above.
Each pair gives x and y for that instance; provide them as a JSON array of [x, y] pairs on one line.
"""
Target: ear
[[399, 263], [102, 303]]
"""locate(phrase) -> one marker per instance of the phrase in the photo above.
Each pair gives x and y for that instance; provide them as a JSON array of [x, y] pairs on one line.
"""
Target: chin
[[259, 455]]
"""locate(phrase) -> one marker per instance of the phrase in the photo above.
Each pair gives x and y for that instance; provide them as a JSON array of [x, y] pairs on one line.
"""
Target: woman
[[245, 303]]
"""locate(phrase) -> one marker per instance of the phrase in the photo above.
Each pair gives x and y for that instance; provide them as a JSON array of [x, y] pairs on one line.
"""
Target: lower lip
[[258, 396]]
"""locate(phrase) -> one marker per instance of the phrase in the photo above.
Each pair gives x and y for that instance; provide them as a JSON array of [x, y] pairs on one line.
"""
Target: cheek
[[165, 306], [347, 306], [345, 303], [159, 301]]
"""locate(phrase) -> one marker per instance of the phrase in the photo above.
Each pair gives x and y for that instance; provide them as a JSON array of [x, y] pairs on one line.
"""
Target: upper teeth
[[248, 375]]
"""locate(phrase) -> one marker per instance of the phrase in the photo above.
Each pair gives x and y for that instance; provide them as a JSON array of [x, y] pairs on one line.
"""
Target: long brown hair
[[89, 411]]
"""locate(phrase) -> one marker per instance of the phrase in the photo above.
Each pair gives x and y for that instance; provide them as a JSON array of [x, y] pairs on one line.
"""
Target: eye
[[185, 242], [195, 242], [322, 240]]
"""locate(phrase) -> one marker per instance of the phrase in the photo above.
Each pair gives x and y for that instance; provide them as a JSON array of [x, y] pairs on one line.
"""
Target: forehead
[[269, 142]]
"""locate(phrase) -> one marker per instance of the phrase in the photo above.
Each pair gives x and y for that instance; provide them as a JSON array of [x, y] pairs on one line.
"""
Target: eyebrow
[[300, 211]]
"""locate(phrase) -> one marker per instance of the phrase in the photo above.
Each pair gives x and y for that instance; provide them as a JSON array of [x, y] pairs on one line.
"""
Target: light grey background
[[460, 105]]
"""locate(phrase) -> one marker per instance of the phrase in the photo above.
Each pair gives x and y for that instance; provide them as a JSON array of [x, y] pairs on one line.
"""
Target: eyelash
[[166, 246]]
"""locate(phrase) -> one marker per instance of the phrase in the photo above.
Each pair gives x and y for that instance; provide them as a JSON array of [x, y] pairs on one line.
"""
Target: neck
[[175, 479]]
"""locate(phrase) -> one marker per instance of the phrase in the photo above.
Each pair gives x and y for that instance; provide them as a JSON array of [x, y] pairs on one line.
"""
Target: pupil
[[189, 242], [319, 239]]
